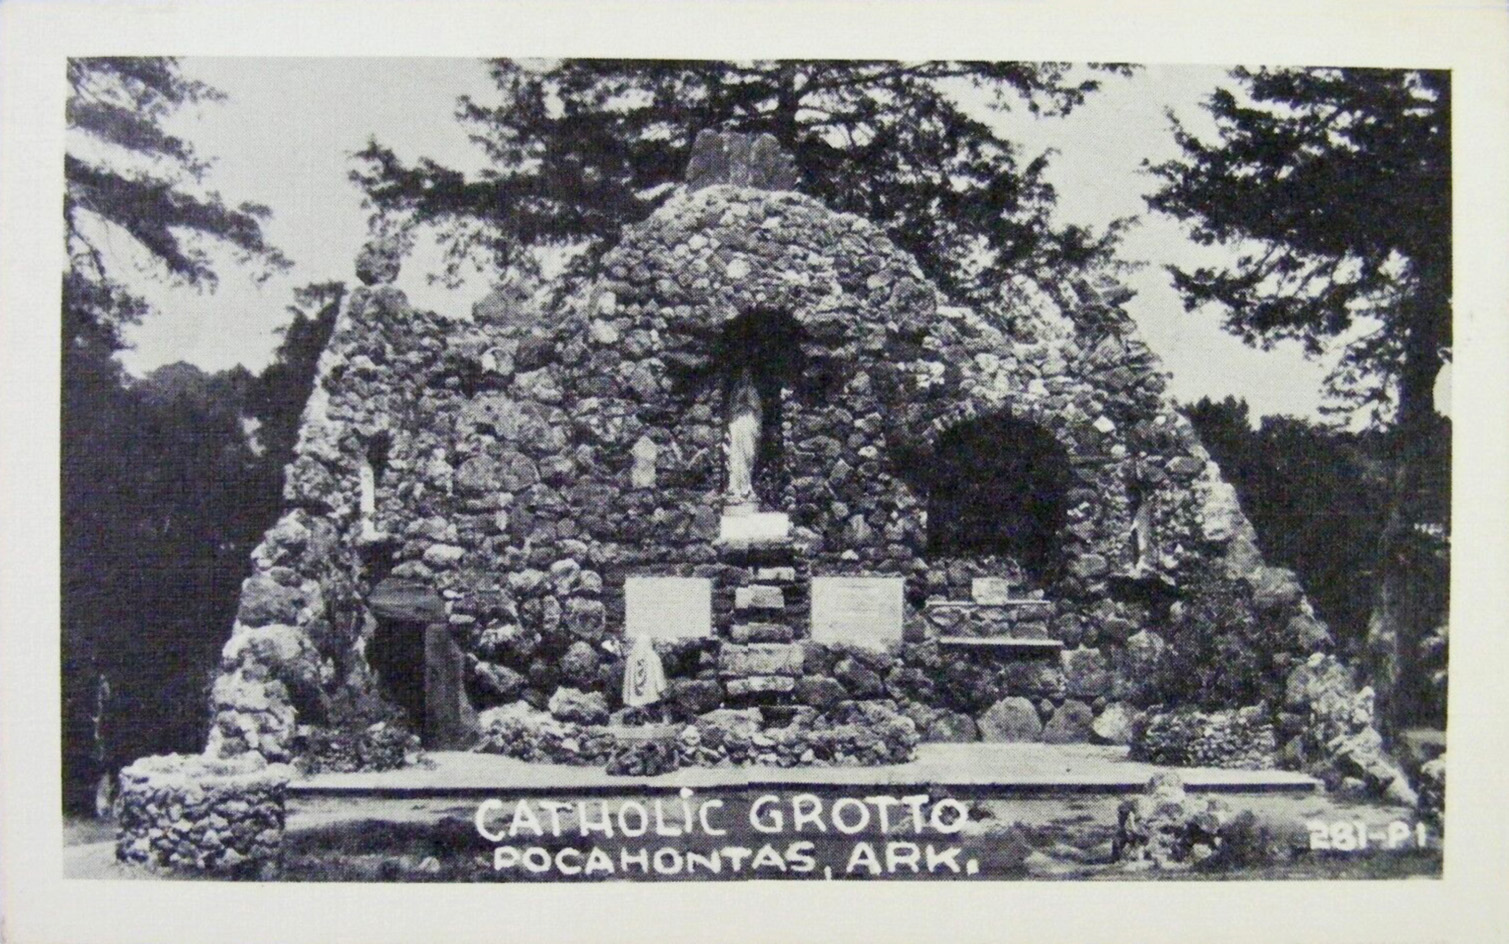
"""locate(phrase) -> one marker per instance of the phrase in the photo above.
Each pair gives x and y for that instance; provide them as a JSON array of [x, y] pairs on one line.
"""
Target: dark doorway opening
[[999, 485], [396, 655]]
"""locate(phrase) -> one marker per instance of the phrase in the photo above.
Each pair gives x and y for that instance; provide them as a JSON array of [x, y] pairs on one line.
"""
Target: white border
[[1468, 905]]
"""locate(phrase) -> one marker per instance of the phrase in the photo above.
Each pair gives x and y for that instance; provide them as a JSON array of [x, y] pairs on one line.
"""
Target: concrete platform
[[965, 769]]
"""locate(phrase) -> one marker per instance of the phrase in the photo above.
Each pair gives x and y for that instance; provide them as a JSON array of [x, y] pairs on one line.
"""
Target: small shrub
[[1218, 654], [383, 746], [363, 733], [1244, 843], [1241, 739]]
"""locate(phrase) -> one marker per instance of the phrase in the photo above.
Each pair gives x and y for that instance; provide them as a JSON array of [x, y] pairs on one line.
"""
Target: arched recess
[[763, 350], [999, 485]]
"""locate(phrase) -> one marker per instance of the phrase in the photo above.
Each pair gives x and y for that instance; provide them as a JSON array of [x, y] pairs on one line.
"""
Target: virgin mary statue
[[743, 441]]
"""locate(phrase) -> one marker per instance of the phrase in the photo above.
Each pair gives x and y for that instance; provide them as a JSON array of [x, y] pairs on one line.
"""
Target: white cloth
[[644, 676]]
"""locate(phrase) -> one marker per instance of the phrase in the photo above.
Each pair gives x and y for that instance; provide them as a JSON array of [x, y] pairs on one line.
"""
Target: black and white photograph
[[582, 470]]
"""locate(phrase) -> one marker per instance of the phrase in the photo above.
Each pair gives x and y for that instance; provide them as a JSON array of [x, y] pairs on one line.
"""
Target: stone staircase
[[761, 656]]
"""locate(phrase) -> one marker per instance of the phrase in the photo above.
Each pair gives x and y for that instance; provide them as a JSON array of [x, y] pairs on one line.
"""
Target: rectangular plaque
[[863, 611], [668, 607], [990, 590]]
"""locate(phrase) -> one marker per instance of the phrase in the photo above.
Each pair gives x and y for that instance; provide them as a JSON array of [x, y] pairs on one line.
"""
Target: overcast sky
[[285, 135]]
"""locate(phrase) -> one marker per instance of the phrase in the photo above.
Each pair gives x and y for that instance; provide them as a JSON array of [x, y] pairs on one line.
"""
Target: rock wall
[[846, 734], [524, 462], [197, 814]]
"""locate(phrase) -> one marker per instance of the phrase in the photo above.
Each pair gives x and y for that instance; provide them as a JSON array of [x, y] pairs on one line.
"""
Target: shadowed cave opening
[[396, 655], [766, 348], [999, 485]]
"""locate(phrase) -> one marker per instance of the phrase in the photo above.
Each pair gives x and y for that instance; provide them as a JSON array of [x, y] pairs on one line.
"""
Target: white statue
[[744, 415], [644, 676]]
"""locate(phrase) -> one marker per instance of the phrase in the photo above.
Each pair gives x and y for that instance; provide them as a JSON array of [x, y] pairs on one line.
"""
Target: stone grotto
[[831, 497]]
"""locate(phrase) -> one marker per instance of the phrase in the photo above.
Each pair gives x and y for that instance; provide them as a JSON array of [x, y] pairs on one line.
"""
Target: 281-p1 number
[[1353, 835]]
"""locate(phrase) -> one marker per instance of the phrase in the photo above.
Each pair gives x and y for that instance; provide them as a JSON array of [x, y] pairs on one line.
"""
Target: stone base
[[745, 530], [200, 814]]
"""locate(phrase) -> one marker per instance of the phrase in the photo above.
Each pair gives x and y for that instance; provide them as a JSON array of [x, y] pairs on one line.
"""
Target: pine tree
[[1335, 187], [134, 459], [580, 147]]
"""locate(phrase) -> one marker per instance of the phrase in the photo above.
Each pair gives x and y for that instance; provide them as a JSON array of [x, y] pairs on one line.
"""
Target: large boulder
[[1114, 724], [951, 727], [695, 696], [1220, 512], [585, 618], [819, 691], [579, 664], [1087, 672], [264, 601], [1305, 634], [499, 680], [1070, 724], [1010, 719], [410, 601], [284, 653], [1322, 683], [910, 683], [1274, 588], [379, 261], [743, 160], [860, 680], [1165, 827], [508, 641]]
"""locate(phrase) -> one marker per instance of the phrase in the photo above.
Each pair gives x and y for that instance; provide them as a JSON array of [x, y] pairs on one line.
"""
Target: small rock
[[570, 704], [952, 727]]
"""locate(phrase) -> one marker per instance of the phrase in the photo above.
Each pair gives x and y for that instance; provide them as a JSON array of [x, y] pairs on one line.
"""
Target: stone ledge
[[761, 632], [759, 597], [998, 642], [760, 529], [978, 769], [760, 684], [759, 659], [975, 605]]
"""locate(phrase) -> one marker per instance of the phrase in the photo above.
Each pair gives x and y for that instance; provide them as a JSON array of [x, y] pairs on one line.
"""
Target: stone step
[[743, 661], [775, 574], [761, 632], [759, 597], [760, 685]]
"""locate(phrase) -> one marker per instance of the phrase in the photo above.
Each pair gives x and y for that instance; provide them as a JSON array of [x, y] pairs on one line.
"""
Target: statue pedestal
[[742, 529]]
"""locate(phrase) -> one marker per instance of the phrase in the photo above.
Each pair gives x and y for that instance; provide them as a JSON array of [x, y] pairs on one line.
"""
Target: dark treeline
[[168, 483], [1319, 499]]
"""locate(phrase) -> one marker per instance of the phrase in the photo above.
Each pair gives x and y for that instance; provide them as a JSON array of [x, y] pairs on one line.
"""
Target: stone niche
[[858, 611], [668, 607]]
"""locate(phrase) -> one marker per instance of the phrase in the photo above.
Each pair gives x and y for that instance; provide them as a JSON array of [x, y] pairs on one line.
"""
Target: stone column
[[449, 719]]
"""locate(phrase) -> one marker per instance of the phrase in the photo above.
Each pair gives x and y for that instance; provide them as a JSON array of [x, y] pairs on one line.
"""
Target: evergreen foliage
[[580, 148], [1334, 185], [167, 481]]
